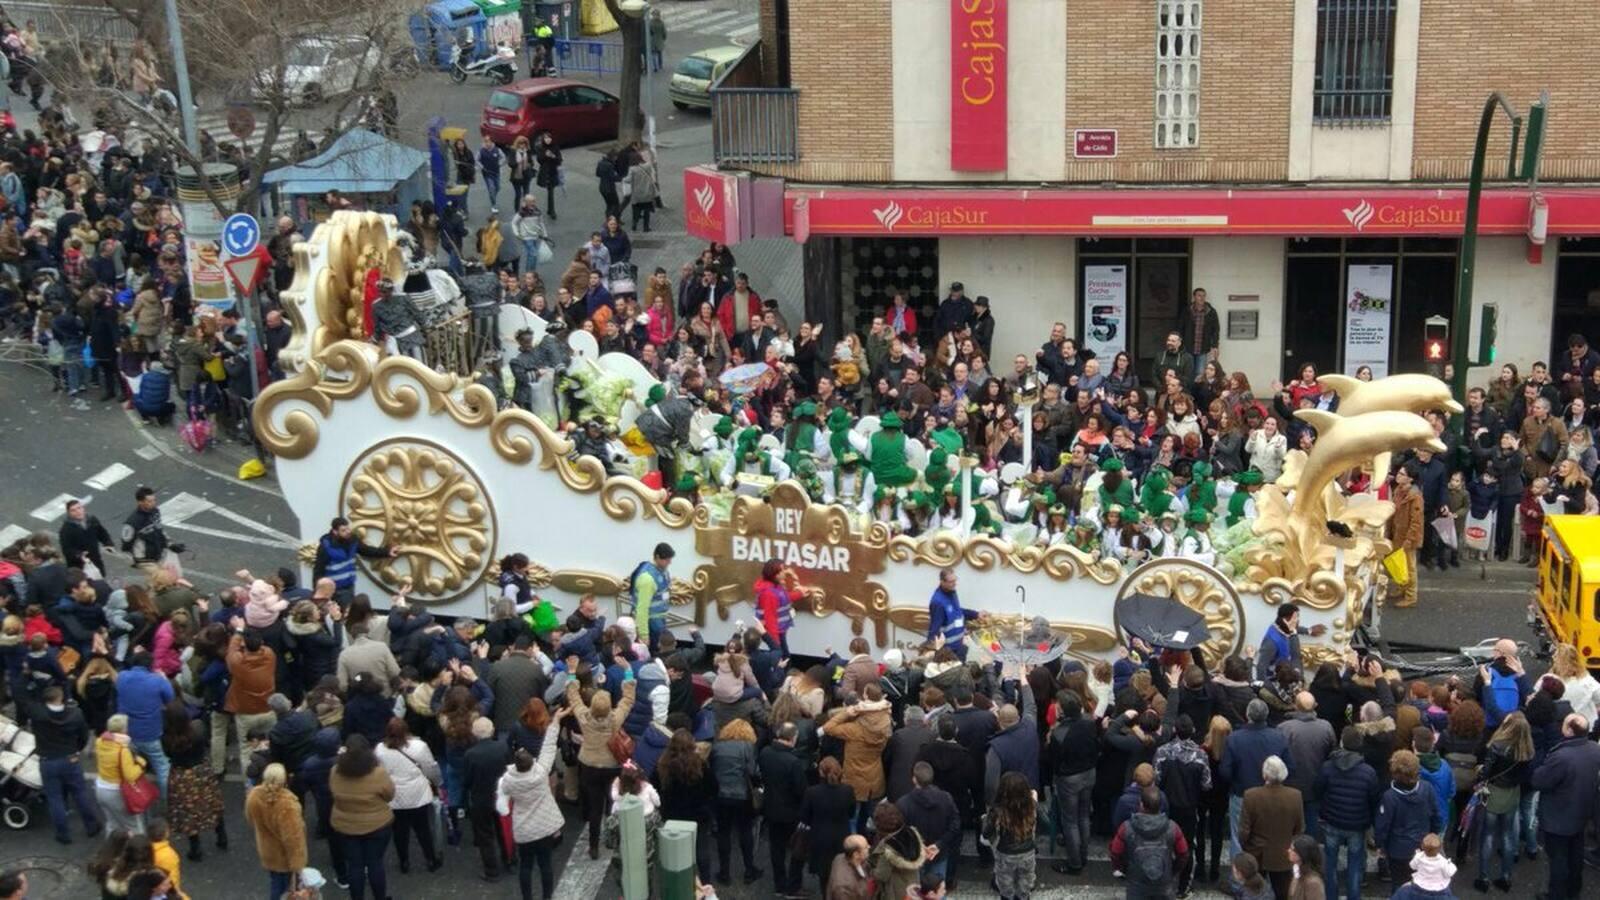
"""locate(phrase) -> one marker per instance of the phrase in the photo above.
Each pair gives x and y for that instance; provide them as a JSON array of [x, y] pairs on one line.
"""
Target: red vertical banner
[[978, 85]]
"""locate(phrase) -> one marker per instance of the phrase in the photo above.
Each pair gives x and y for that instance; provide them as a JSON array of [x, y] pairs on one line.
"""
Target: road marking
[[231, 535], [582, 877], [54, 508], [180, 506], [148, 452], [250, 523], [11, 534], [743, 33], [680, 20], [163, 450], [108, 476], [709, 23]]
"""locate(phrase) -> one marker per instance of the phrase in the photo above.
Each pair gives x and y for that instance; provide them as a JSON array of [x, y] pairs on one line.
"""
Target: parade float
[[430, 464]]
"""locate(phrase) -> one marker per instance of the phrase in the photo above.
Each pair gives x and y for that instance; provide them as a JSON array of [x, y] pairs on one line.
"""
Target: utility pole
[[180, 63], [1461, 326]]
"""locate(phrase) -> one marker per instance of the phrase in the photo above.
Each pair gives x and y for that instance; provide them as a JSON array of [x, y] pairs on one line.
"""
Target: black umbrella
[[1162, 622]]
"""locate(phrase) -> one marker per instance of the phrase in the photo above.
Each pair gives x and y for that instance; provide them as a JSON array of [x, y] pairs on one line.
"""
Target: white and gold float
[[424, 462]]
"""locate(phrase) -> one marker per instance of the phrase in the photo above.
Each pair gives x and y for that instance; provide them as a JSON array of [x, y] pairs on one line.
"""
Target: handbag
[[800, 841], [298, 891], [139, 795], [1548, 446], [621, 746], [213, 367], [758, 796]]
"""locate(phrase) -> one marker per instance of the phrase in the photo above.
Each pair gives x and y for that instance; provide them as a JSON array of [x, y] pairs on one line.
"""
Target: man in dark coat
[[932, 811], [783, 772], [486, 761], [1246, 751], [1567, 783], [1346, 792], [82, 536], [903, 752], [515, 679]]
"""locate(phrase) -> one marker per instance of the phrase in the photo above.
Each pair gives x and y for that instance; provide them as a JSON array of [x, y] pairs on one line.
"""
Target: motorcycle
[[499, 66]]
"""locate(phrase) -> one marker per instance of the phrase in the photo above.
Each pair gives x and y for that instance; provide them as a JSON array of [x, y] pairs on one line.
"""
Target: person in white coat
[[1267, 448], [416, 777], [1196, 544], [536, 820]]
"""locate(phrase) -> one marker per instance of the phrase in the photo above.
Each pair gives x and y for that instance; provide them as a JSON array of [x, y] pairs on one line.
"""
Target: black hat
[[957, 286], [981, 301]]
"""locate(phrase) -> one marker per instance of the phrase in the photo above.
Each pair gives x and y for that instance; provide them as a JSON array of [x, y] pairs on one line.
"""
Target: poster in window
[[1369, 313], [1105, 310]]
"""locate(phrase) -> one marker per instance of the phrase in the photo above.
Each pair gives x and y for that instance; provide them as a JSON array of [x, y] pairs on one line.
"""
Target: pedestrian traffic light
[[1488, 330], [1435, 340]]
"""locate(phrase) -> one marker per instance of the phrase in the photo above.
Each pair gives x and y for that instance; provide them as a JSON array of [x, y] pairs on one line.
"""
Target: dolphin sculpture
[[1411, 393], [1344, 442]]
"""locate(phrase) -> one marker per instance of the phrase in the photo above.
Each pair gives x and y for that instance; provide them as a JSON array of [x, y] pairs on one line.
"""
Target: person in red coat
[[741, 293], [776, 592]]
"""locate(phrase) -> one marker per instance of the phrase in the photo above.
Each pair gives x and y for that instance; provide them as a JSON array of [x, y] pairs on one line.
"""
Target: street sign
[[249, 270], [240, 234], [1094, 143], [241, 122]]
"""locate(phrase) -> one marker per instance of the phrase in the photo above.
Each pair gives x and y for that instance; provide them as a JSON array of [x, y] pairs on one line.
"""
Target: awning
[[1288, 212]]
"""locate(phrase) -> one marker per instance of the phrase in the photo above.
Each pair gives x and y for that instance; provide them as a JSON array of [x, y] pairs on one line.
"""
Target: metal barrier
[[594, 57], [755, 125], [88, 24]]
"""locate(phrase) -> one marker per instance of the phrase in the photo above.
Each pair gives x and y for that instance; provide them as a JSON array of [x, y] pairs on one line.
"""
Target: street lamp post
[[640, 10]]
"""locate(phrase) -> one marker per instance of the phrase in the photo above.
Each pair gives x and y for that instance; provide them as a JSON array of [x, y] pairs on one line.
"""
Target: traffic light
[[1435, 340], [1488, 330]]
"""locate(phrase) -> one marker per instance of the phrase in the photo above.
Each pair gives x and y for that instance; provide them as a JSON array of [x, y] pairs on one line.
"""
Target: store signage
[[711, 204], [978, 85], [1368, 317], [1094, 143], [1105, 310], [1210, 212]]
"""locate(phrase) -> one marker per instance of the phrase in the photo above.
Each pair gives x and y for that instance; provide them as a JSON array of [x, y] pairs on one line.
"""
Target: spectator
[[1406, 812], [1310, 740], [274, 813], [1306, 856], [416, 778], [597, 766], [1242, 768], [783, 774], [864, 728], [1566, 783], [1270, 817], [486, 762], [361, 818], [117, 764], [826, 810], [1150, 850], [1347, 791]]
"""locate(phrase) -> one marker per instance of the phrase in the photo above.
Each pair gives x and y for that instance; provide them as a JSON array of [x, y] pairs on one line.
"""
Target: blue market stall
[[367, 169]]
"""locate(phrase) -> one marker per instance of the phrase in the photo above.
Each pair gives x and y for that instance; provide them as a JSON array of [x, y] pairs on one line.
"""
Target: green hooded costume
[[948, 439], [1237, 504], [1153, 496], [1202, 487], [1120, 494], [839, 431], [802, 435], [889, 454]]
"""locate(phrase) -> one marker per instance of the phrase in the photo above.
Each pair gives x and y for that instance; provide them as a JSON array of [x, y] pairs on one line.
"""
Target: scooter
[[499, 66]]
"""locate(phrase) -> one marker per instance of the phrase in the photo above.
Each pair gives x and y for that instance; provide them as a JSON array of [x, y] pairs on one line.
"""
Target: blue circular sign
[[240, 234]]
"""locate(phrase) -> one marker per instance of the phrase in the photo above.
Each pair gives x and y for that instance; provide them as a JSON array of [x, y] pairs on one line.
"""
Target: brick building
[[1094, 162]]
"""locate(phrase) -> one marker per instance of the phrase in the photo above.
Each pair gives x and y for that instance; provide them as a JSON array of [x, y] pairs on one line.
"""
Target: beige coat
[[596, 732], [865, 730]]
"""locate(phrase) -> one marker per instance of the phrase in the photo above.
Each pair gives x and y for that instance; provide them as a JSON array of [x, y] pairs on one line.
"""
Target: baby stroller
[[21, 785], [622, 279]]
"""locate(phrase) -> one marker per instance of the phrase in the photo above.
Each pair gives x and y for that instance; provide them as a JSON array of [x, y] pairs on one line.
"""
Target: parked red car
[[575, 112]]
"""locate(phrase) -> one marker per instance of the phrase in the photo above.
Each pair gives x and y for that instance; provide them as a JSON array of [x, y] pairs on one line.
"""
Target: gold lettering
[[983, 28], [972, 99]]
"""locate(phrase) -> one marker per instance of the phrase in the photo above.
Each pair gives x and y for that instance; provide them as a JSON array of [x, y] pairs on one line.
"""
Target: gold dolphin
[[1344, 442], [1410, 393]]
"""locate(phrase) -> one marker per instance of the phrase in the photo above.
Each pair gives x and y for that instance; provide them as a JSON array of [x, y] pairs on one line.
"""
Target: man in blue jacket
[[1346, 792], [141, 696], [1242, 759], [1566, 784], [946, 615], [1407, 812]]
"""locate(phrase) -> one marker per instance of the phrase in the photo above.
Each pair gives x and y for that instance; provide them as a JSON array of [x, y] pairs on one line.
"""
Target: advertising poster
[[1369, 312], [208, 282], [1105, 311]]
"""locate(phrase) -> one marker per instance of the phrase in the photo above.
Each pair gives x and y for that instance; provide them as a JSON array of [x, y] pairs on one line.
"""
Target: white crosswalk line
[[54, 508], [181, 506], [11, 534], [108, 476], [749, 31], [147, 452], [582, 877], [253, 525], [230, 535], [687, 18]]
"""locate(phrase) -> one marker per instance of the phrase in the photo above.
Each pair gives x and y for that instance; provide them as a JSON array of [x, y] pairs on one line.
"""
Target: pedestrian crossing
[[738, 25], [215, 121]]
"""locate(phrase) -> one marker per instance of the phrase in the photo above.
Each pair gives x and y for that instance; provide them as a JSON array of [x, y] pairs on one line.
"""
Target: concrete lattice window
[[1178, 73]]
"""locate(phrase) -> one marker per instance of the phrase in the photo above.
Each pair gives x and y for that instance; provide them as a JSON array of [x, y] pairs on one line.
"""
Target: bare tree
[[260, 52]]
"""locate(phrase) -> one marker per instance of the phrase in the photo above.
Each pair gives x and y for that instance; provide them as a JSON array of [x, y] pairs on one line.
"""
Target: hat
[[724, 427], [838, 418], [1249, 477], [1197, 517], [1115, 508], [957, 286], [687, 483], [1111, 465], [981, 301], [805, 410], [1044, 497], [849, 458], [1058, 509], [891, 419], [805, 466], [657, 394]]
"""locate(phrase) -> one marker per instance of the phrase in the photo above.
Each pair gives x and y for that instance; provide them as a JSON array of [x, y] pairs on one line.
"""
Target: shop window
[[874, 268], [1177, 74], [1355, 61], [1577, 307], [1155, 291]]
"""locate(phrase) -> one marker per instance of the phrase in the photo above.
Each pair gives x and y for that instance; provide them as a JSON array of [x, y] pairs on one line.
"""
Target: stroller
[[21, 786]]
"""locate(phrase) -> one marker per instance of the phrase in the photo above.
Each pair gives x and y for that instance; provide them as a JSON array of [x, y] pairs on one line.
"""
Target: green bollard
[[675, 850], [633, 851]]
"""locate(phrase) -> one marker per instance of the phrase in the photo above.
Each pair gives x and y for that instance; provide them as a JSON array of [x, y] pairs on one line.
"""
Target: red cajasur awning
[[1352, 212]]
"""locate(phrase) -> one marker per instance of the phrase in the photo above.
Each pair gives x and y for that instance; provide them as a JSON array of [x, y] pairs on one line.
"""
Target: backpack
[[1149, 860], [1504, 697]]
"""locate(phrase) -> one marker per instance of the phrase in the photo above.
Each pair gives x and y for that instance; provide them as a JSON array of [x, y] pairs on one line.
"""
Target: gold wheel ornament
[[1199, 587], [426, 503]]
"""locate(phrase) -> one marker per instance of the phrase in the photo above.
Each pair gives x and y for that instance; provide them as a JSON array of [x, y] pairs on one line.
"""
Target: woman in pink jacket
[[172, 636]]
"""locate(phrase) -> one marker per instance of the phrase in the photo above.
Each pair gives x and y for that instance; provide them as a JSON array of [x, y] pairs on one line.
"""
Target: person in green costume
[[937, 473], [803, 437], [805, 472], [947, 438], [1196, 544], [840, 437], [1202, 487], [1115, 488], [717, 449], [750, 459], [888, 453], [1242, 504], [1153, 496], [688, 487]]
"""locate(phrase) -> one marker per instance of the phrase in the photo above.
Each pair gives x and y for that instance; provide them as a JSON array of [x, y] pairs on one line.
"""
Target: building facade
[[1094, 162]]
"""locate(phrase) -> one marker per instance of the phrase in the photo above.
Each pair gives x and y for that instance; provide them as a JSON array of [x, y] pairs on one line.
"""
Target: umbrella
[[1162, 622], [748, 379]]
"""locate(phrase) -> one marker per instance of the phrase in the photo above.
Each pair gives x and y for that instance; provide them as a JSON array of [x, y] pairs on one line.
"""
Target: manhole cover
[[51, 877]]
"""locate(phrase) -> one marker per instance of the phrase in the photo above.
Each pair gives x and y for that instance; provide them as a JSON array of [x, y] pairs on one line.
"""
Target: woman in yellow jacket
[[167, 859], [116, 764]]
